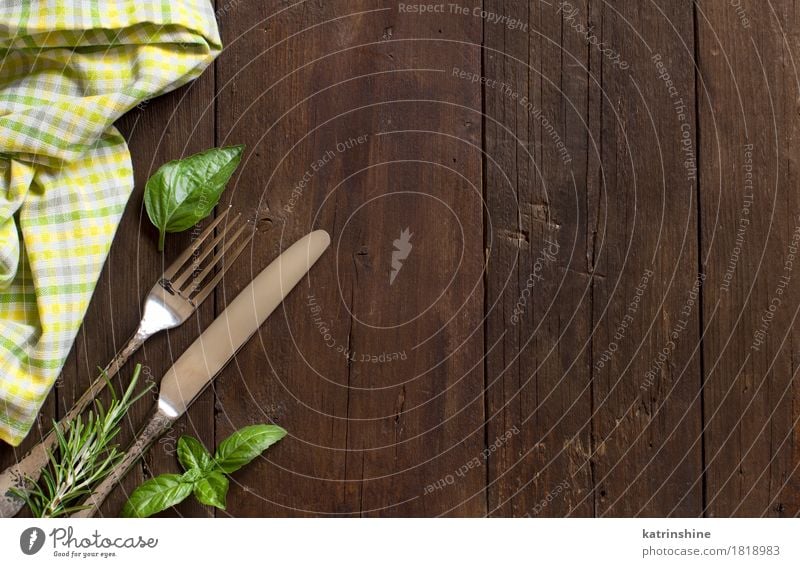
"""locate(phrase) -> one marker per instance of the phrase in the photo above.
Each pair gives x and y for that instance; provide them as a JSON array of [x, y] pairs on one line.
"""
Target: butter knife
[[213, 349]]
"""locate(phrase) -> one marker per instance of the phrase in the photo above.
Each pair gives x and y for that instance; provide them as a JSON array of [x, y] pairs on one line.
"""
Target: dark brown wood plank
[[647, 449], [750, 209], [569, 377], [170, 127], [596, 441], [538, 279], [372, 433]]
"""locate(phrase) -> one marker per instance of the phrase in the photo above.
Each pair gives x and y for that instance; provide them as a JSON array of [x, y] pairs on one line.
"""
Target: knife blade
[[214, 348]]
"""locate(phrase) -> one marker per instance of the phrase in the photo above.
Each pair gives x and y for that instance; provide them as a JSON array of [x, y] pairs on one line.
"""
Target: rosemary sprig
[[84, 456]]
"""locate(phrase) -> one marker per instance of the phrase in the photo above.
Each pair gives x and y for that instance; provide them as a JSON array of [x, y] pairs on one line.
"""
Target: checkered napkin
[[68, 70]]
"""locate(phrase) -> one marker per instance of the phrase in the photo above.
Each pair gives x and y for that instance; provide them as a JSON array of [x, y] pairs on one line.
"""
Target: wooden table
[[596, 314]]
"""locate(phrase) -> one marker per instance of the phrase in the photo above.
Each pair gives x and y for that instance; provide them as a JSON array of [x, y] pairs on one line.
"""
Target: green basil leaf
[[212, 490], [245, 445], [192, 454], [193, 475], [184, 192], [156, 495]]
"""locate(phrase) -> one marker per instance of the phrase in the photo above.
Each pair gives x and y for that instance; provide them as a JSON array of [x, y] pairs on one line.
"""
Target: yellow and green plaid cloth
[[68, 70]]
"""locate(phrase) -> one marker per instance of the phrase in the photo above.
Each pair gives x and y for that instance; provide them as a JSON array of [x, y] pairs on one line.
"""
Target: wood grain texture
[[160, 130], [647, 397], [574, 329], [748, 112], [539, 283], [368, 436]]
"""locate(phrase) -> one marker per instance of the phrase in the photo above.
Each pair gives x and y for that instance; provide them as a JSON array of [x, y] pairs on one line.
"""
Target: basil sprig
[[204, 476], [185, 191]]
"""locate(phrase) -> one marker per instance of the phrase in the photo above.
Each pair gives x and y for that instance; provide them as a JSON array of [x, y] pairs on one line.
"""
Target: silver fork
[[173, 299]]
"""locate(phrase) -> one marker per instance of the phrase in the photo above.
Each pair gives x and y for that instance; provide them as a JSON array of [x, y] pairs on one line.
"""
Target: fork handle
[[133, 344], [31, 465], [156, 426]]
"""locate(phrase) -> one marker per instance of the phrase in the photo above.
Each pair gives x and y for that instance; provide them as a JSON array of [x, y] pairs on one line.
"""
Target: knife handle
[[216, 346], [156, 426]]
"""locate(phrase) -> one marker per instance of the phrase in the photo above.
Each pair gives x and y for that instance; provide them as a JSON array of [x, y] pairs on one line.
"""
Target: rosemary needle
[[85, 454]]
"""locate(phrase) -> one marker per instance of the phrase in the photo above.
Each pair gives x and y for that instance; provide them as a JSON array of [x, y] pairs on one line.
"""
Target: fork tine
[[170, 272], [196, 281], [203, 293], [177, 283]]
